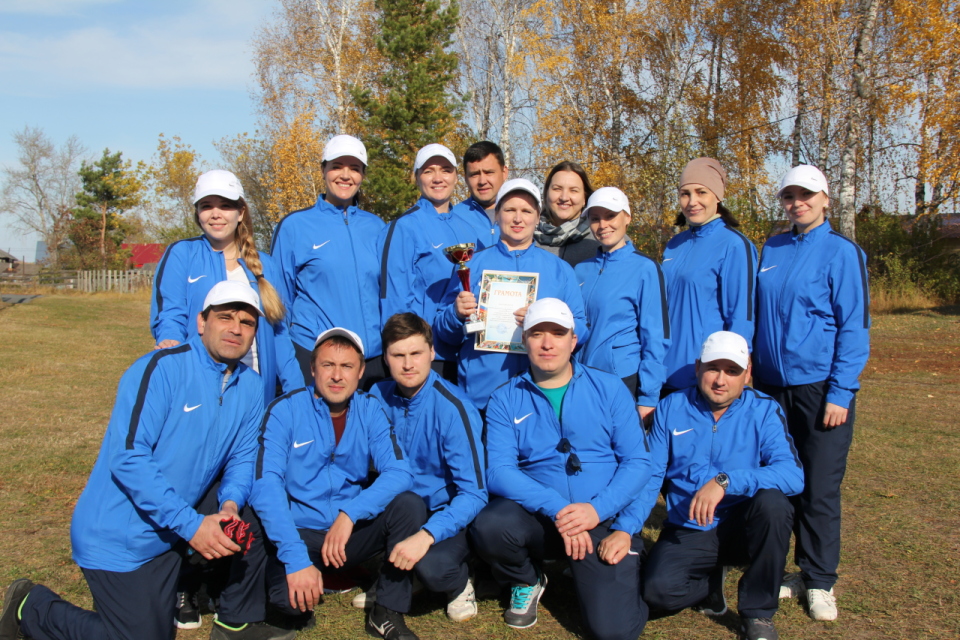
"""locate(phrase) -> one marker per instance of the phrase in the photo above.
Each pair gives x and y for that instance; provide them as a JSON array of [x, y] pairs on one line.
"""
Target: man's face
[[228, 332], [484, 179], [549, 347], [336, 373], [721, 382], [409, 363]]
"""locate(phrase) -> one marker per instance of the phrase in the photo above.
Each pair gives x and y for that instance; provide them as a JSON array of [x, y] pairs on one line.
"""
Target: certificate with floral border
[[502, 293]]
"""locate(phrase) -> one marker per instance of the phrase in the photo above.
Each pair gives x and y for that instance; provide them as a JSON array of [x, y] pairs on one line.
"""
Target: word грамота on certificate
[[501, 294]]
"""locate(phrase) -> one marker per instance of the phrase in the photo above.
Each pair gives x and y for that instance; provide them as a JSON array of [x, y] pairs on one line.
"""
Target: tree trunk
[[860, 94], [103, 234]]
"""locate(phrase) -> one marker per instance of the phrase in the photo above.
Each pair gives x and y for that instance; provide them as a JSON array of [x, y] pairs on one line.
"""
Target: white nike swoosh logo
[[667, 259], [519, 420], [680, 433], [188, 409], [317, 246], [192, 280], [436, 246], [768, 268], [297, 445], [581, 284]]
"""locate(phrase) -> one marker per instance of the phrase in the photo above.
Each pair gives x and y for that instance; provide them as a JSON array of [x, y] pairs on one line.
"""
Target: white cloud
[[208, 44]]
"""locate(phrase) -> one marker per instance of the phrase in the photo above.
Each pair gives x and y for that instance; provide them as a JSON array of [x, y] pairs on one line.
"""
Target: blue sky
[[118, 73]]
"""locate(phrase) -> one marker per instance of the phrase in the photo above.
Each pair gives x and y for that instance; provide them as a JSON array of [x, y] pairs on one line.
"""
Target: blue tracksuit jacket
[[626, 305], [414, 271], [186, 273], [330, 267], [488, 232], [750, 443], [173, 429], [304, 479], [480, 372], [711, 275], [440, 431], [813, 312], [598, 418]]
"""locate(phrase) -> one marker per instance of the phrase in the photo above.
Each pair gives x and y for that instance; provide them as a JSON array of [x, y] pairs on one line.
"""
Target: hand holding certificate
[[502, 293]]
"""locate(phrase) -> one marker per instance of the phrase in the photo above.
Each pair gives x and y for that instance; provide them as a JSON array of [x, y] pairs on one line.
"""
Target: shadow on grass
[[943, 310]]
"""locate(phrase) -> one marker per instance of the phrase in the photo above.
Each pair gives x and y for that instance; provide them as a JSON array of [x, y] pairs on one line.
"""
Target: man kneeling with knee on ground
[[439, 429], [729, 465], [313, 494], [183, 416], [566, 453]]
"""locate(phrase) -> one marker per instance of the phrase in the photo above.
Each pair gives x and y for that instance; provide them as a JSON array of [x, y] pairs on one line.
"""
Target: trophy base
[[474, 327]]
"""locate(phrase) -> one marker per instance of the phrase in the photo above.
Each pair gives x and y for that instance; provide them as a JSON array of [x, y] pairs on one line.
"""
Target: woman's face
[[698, 203], [609, 227], [806, 209], [343, 177], [436, 180], [517, 216], [218, 218], [566, 196]]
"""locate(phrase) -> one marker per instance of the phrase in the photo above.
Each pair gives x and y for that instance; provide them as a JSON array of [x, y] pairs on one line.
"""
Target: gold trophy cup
[[460, 254]]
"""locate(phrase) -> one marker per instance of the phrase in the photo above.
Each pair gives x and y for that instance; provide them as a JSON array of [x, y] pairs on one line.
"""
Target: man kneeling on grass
[[566, 453], [729, 466], [439, 429], [183, 416], [312, 491]]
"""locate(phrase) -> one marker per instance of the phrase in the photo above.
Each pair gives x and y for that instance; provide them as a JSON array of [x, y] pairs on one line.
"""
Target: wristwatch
[[723, 480]]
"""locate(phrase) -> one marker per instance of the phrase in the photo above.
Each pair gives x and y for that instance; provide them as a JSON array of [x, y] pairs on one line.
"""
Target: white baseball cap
[[340, 146], [432, 151], [345, 333], [548, 310], [725, 345], [519, 184], [609, 198], [229, 291], [217, 183], [806, 176]]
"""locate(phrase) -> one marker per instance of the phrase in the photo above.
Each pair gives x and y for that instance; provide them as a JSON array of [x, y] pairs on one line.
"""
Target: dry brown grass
[[61, 357]]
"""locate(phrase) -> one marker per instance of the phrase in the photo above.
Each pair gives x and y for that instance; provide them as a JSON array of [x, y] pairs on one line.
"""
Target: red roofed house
[[144, 254]]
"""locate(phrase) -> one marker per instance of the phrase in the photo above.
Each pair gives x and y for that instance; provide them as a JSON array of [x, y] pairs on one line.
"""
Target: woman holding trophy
[[515, 268]]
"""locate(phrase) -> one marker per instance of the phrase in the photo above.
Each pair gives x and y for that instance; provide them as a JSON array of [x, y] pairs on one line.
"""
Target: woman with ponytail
[[225, 251], [710, 271]]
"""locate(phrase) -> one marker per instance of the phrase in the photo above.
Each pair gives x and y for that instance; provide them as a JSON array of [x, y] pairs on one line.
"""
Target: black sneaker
[[758, 629], [188, 614], [388, 624], [715, 604], [250, 631], [9, 623]]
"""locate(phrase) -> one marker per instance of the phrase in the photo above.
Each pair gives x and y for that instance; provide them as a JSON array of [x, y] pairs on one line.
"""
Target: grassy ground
[[61, 357]]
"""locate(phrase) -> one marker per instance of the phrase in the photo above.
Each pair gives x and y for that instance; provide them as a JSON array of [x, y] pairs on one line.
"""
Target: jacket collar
[[206, 360], [412, 404], [527, 376], [704, 407], [623, 252], [513, 253], [325, 207], [811, 236], [706, 229], [427, 206]]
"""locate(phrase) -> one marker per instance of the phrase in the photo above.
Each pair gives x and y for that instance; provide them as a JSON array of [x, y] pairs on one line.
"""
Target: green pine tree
[[412, 106], [109, 189]]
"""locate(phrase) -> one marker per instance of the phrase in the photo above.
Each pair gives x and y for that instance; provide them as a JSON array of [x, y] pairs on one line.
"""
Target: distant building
[[144, 255], [8, 262]]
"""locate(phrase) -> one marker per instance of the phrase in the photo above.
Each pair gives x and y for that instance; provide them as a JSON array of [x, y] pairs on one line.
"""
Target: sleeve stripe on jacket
[[863, 279], [162, 266], [383, 260], [751, 272], [258, 473], [144, 385], [783, 421], [466, 425]]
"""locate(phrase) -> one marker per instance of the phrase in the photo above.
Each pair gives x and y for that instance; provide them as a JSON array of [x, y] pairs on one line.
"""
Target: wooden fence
[[88, 281]]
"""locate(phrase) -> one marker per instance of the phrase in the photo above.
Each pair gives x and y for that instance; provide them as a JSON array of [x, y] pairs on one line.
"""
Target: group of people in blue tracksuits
[[326, 399]]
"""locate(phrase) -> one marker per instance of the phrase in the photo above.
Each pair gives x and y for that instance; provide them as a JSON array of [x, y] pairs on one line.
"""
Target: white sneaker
[[822, 604], [365, 599], [464, 606], [792, 586]]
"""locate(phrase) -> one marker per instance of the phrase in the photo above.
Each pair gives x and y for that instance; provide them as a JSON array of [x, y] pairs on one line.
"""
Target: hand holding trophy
[[460, 254]]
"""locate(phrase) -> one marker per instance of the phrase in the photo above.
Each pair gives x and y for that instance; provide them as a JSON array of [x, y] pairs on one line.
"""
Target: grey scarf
[[569, 232]]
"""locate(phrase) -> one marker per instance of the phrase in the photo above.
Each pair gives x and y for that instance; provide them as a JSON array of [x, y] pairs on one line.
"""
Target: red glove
[[238, 531]]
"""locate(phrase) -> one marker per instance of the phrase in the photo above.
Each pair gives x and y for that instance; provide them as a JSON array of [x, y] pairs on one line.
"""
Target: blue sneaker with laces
[[522, 613]]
